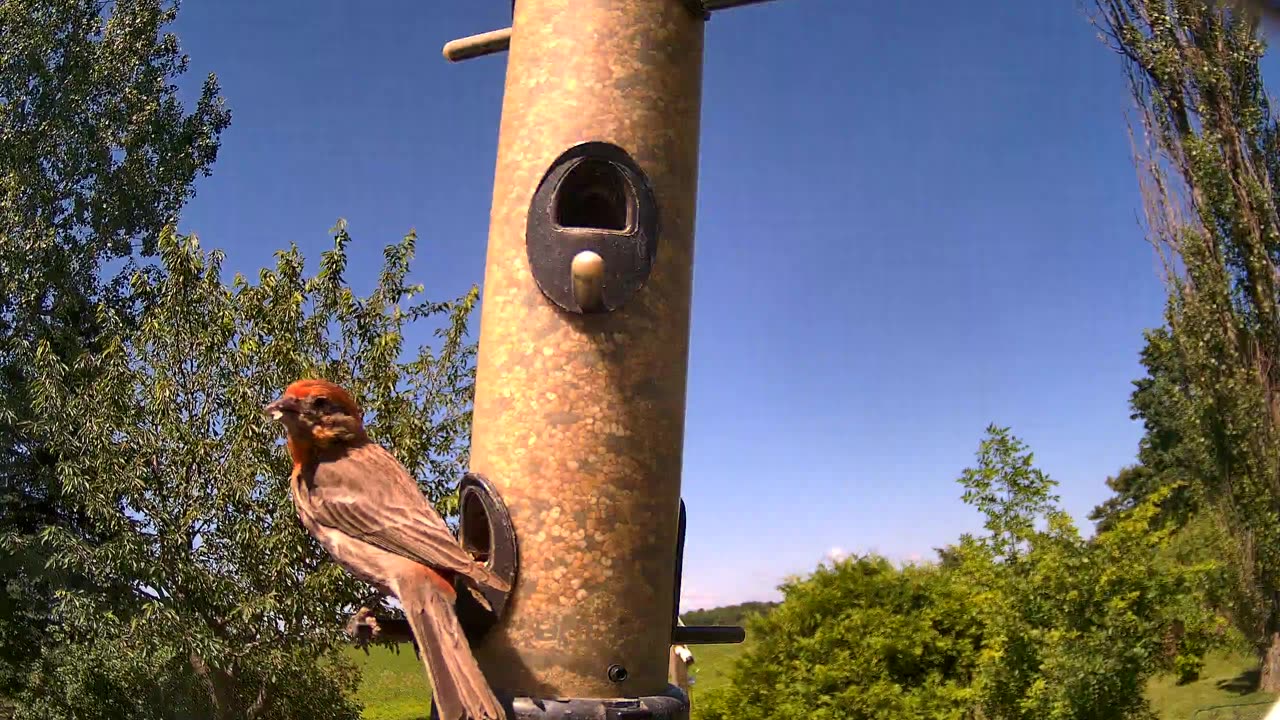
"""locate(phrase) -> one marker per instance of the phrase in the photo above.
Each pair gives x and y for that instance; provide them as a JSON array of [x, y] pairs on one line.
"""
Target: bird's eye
[[320, 403]]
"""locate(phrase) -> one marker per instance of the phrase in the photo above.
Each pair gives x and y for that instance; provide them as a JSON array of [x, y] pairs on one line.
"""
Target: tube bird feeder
[[584, 337]]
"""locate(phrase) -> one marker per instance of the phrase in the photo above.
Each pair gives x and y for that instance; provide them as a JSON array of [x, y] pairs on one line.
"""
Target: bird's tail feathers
[[460, 690]]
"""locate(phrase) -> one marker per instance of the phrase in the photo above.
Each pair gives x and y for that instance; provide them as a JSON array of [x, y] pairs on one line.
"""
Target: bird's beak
[[277, 409]]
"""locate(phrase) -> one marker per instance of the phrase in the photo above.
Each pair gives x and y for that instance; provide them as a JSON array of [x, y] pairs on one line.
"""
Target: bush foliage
[[1025, 620]]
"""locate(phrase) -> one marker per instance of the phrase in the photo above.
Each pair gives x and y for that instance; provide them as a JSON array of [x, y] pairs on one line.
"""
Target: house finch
[[362, 506]]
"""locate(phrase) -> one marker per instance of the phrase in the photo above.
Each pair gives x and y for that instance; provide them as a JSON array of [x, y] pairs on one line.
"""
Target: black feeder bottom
[[671, 705]]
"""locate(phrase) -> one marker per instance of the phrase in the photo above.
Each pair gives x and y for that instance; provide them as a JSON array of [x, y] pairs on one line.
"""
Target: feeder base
[[671, 705]]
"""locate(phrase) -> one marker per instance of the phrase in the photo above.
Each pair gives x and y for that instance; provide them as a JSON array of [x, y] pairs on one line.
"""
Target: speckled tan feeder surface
[[579, 419]]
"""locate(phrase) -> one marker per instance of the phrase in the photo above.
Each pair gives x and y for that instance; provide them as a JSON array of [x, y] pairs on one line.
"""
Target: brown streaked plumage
[[362, 506]]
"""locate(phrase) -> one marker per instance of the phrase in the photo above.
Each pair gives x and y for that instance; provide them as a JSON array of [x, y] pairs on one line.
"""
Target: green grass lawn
[[1228, 679], [711, 665], [395, 685]]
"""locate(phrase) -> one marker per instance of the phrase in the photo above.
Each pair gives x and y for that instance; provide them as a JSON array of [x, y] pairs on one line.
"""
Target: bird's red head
[[317, 413], [322, 391]]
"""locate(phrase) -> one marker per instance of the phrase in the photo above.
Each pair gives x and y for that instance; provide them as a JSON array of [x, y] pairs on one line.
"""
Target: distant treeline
[[727, 615]]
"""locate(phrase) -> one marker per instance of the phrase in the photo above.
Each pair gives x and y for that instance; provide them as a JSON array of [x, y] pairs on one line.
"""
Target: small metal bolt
[[617, 673]]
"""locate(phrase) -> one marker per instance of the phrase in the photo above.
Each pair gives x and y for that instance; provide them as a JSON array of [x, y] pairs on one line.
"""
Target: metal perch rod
[[496, 41]]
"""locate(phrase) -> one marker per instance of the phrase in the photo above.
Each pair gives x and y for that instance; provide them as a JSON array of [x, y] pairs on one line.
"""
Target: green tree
[[1160, 401], [1133, 484], [1209, 167], [97, 153], [1025, 620], [728, 614], [1072, 628], [857, 640], [208, 599]]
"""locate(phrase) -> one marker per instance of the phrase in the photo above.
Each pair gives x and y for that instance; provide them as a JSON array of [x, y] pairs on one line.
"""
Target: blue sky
[[914, 219]]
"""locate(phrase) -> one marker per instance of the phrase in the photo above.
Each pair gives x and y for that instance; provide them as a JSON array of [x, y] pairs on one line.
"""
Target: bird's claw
[[363, 628]]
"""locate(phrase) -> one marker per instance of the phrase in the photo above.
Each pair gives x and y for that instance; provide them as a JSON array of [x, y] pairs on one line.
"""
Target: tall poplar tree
[[1207, 154]]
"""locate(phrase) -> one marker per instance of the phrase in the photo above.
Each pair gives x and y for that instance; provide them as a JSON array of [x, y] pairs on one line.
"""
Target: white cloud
[[761, 584], [697, 599]]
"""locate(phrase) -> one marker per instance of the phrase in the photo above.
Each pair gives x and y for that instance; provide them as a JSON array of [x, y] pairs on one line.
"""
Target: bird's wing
[[367, 494]]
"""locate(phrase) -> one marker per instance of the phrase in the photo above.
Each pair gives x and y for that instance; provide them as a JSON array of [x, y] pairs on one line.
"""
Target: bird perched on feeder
[[363, 507]]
